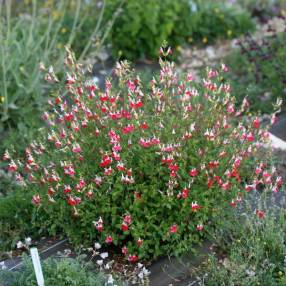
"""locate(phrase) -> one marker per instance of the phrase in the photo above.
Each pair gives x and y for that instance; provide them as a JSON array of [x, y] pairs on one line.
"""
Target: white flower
[[20, 244], [104, 255], [2, 265], [67, 252], [250, 273], [110, 279], [28, 241], [97, 245], [140, 265], [107, 266], [141, 275], [99, 262], [146, 272]]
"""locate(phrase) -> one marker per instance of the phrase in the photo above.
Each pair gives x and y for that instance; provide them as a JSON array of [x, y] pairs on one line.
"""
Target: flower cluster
[[142, 168]]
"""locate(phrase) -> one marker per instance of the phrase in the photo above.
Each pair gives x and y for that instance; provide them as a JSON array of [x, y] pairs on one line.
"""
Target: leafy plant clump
[[144, 168], [259, 65], [37, 34], [256, 259], [262, 9], [15, 221], [57, 272], [140, 29]]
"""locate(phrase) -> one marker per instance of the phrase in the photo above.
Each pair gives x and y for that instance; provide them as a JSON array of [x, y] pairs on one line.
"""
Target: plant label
[[37, 266]]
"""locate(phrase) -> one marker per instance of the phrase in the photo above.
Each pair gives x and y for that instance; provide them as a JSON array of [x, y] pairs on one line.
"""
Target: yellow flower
[[179, 48], [205, 40], [2, 99], [229, 32], [73, 4], [63, 30], [283, 12], [280, 273], [190, 39], [26, 2], [59, 46], [49, 3], [56, 14]]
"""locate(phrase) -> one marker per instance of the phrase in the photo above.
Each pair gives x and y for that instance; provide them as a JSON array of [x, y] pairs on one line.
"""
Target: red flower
[[106, 161], [99, 227], [193, 172], [133, 258], [51, 191], [124, 250], [139, 242], [144, 125], [256, 123], [174, 167], [128, 219], [185, 193], [232, 203], [200, 227], [67, 189], [109, 239], [195, 206], [173, 228], [12, 167], [124, 227], [71, 201], [89, 194], [36, 200], [260, 214]]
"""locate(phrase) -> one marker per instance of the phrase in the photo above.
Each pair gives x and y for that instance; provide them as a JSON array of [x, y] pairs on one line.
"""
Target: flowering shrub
[[144, 169]]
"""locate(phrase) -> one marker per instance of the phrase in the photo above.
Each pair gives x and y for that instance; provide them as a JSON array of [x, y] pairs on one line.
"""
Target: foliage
[[215, 19], [262, 9], [34, 36], [57, 272], [143, 168], [15, 218], [140, 29], [257, 258], [260, 67]]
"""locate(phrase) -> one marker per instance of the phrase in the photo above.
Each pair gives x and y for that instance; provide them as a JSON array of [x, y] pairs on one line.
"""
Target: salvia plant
[[142, 168]]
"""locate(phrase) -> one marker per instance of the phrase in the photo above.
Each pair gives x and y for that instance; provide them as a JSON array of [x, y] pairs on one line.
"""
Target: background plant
[[37, 33], [259, 65], [263, 9], [57, 272], [255, 259], [140, 29], [16, 220]]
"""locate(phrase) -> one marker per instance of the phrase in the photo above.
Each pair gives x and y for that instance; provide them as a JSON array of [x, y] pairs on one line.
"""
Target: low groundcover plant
[[143, 168]]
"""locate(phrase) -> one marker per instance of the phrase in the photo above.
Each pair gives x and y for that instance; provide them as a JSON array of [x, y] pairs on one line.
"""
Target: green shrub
[[15, 218], [144, 168], [219, 20], [140, 29], [56, 272]]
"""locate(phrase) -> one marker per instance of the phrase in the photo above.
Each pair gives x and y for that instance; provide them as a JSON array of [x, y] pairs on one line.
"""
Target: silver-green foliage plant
[[252, 253], [57, 272], [34, 36]]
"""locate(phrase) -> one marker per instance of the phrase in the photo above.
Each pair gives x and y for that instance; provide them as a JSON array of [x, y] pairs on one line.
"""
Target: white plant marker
[[37, 266]]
